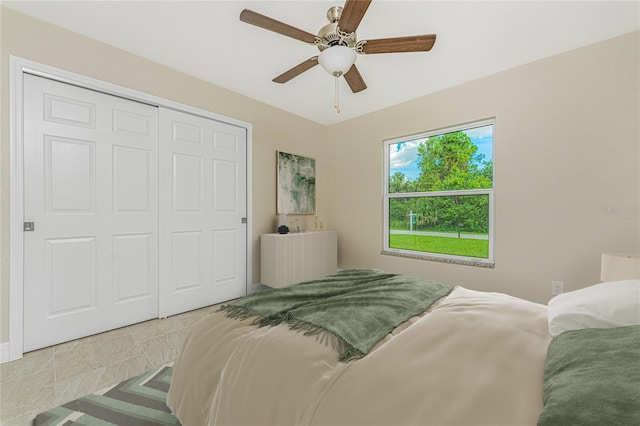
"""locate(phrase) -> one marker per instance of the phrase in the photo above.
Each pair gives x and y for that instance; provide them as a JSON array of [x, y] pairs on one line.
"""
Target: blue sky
[[403, 157]]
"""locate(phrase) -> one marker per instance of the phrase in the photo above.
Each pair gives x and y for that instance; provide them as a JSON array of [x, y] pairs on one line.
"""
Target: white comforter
[[475, 358]]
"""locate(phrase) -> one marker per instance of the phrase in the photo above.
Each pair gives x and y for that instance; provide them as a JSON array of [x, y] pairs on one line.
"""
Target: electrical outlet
[[557, 287]]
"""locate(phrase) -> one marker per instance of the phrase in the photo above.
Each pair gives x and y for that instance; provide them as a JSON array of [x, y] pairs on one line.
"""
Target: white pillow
[[606, 305]]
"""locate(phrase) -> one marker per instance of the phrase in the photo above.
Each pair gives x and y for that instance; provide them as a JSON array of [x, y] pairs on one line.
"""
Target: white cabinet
[[290, 258]]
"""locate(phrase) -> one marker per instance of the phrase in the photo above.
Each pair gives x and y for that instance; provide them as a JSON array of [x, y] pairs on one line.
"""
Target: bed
[[467, 358]]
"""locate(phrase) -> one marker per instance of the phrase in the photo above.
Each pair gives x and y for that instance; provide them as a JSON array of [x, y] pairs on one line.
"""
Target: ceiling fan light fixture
[[336, 60]]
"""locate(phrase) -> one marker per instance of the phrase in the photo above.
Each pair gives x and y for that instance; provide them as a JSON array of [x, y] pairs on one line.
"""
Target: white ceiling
[[206, 39]]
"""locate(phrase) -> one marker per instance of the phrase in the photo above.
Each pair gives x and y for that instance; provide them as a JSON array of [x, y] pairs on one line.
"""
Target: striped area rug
[[138, 401]]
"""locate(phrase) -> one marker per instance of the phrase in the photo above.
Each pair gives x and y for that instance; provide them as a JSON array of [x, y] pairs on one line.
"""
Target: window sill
[[484, 263]]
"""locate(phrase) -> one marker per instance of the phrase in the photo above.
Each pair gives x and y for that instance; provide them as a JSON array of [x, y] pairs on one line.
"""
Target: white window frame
[[449, 258]]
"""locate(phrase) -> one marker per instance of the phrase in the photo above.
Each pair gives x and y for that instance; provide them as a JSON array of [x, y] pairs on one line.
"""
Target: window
[[438, 195]]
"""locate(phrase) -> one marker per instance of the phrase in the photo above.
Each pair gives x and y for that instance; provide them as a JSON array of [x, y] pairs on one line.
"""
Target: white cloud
[[404, 154]]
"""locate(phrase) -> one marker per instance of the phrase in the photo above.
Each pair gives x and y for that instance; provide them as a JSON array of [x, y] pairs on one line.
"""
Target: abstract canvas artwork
[[296, 184]]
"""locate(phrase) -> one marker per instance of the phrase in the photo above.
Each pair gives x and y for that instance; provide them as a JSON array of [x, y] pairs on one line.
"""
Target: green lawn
[[443, 245]]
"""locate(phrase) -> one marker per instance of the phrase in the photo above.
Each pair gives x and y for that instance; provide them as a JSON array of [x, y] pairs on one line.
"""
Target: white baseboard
[[4, 353]]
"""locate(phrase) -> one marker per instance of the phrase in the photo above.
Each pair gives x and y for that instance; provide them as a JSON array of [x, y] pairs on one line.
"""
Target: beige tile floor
[[52, 376]]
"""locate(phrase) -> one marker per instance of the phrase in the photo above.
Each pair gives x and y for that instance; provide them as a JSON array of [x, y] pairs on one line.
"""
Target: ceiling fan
[[338, 43]]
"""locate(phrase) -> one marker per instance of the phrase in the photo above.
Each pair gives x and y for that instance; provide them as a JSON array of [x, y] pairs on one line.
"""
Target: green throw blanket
[[353, 309], [592, 377]]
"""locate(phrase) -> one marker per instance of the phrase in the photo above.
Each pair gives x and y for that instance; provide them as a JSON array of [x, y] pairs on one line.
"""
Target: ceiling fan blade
[[254, 18], [297, 70], [352, 14], [354, 79], [419, 43]]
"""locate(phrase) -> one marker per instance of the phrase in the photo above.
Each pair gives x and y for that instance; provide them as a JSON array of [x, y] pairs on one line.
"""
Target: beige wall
[[273, 129], [567, 152]]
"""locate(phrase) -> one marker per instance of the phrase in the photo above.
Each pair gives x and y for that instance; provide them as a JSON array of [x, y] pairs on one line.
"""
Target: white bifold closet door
[[202, 211], [139, 212], [90, 189]]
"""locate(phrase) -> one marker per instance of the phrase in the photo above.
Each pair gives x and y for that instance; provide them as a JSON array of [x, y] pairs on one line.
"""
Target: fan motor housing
[[329, 35]]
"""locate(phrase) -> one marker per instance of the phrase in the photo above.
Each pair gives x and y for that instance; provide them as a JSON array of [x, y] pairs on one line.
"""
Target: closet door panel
[[90, 188], [202, 206]]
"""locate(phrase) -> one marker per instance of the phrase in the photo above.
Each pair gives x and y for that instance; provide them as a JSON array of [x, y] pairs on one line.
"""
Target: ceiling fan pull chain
[[336, 103]]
